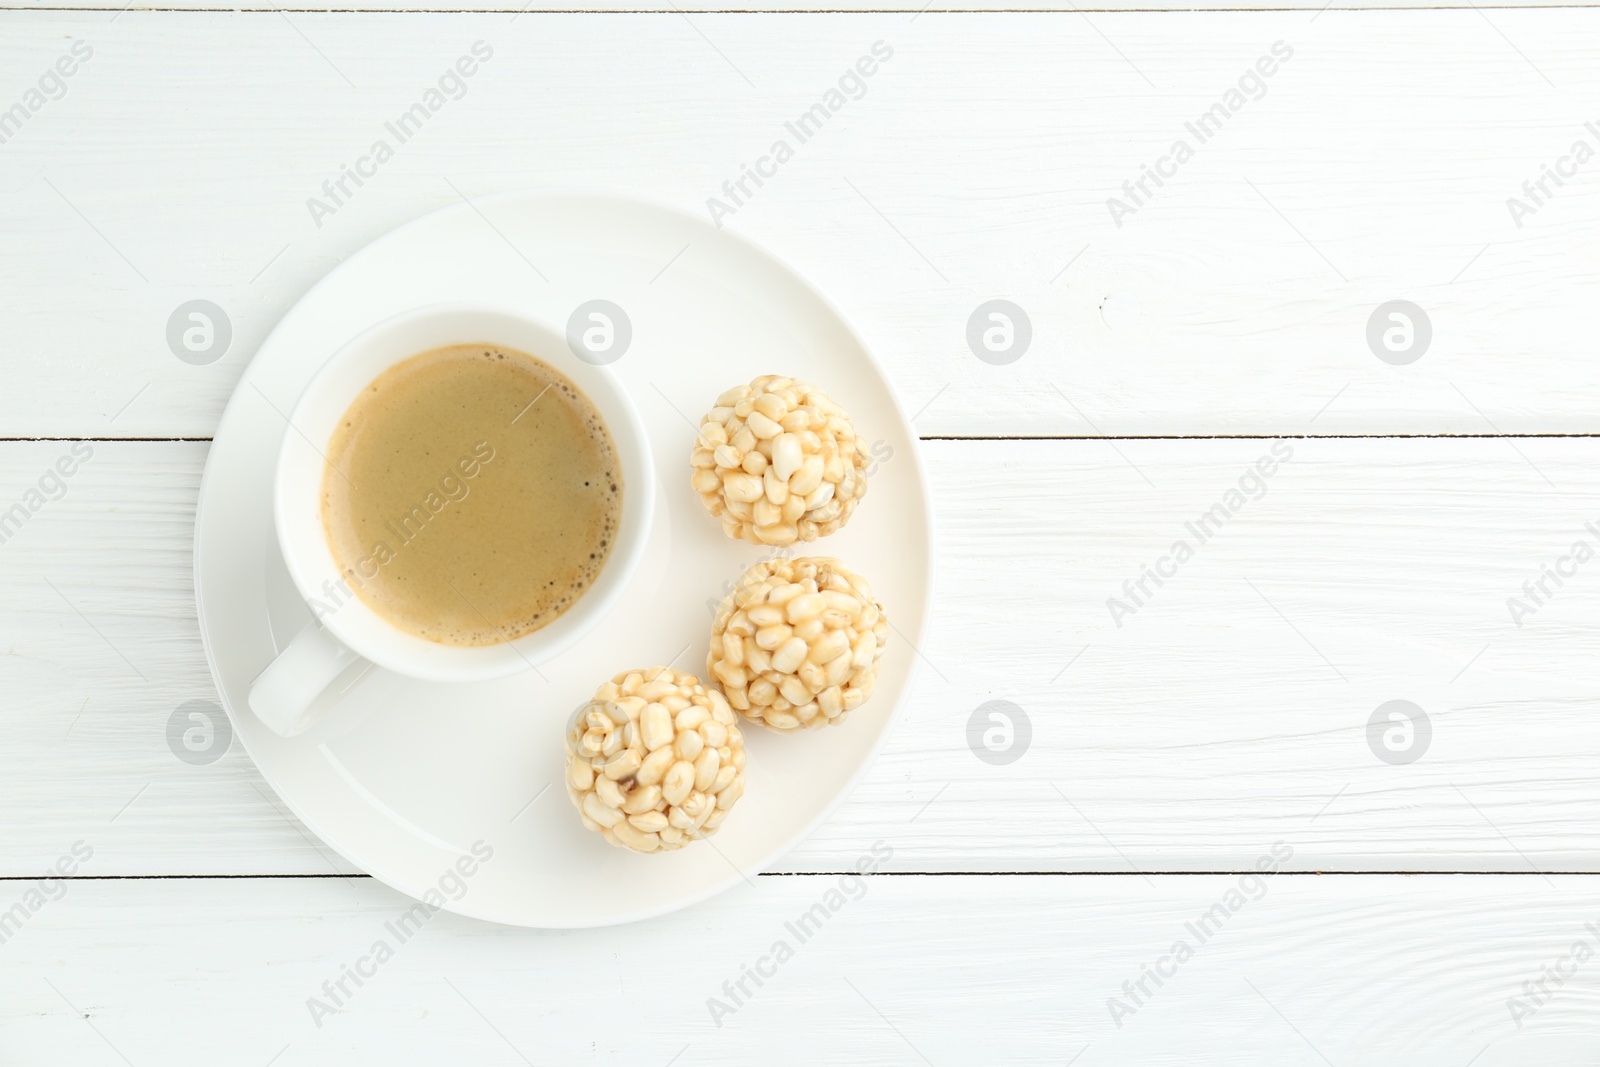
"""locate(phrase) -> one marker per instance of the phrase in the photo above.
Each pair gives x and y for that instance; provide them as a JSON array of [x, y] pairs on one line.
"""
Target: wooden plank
[[979, 165], [891, 970], [1231, 707]]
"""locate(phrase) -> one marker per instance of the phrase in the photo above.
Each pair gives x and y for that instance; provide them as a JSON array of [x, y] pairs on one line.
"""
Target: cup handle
[[281, 696]]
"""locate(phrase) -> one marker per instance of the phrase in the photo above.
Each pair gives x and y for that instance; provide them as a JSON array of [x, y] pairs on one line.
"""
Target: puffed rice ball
[[798, 642], [654, 760], [778, 462]]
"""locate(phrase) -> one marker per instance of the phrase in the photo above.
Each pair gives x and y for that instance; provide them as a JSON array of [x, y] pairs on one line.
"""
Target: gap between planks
[[1177, 10], [875, 874], [1010, 437]]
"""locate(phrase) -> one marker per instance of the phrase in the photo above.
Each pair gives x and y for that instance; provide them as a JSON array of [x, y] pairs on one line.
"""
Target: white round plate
[[404, 777]]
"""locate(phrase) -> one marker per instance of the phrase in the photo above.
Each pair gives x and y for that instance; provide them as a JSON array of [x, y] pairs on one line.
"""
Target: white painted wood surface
[[1180, 740], [977, 165], [1227, 714], [1375, 970]]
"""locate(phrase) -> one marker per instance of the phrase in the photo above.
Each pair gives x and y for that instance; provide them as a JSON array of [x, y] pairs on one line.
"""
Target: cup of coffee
[[458, 497]]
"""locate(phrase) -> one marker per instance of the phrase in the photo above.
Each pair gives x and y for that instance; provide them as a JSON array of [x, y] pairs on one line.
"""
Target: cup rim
[[309, 558]]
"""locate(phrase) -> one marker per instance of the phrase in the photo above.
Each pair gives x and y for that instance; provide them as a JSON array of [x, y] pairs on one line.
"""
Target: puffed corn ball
[[654, 760], [798, 642], [778, 462]]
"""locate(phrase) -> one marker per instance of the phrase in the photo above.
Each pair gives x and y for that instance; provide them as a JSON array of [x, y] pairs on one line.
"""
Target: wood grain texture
[[978, 165], [1229, 710], [1378, 970]]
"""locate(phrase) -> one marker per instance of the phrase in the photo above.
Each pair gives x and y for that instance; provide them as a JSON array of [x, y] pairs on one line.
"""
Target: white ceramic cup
[[285, 694]]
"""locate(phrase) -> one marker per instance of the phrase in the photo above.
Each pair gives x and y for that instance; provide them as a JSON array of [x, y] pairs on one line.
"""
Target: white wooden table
[[1426, 908]]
